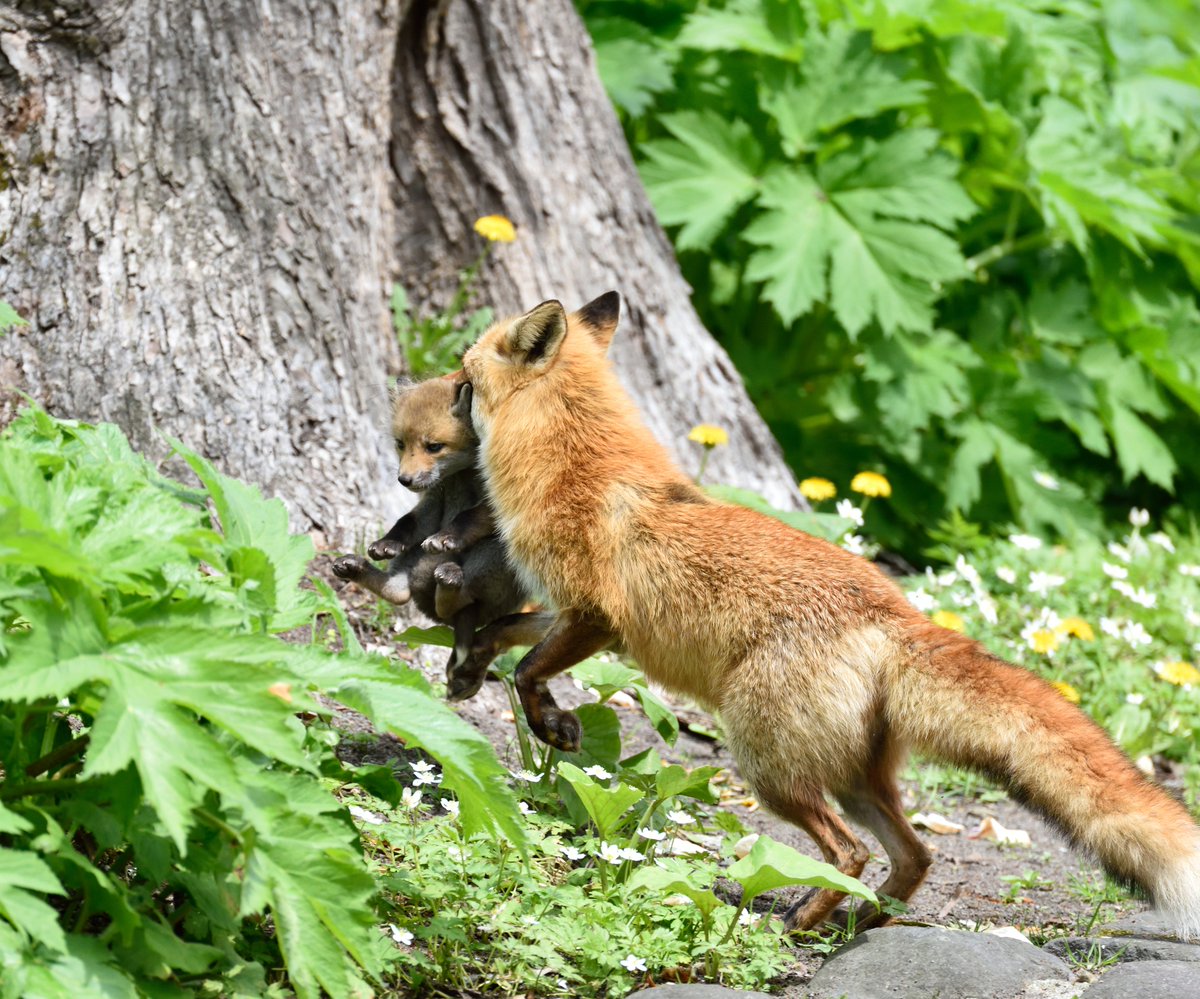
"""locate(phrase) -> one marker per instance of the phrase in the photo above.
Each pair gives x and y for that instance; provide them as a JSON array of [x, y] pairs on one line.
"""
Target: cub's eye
[[399, 445], [435, 448]]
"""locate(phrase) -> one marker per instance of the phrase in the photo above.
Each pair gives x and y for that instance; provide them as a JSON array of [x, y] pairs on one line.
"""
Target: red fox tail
[[963, 705]]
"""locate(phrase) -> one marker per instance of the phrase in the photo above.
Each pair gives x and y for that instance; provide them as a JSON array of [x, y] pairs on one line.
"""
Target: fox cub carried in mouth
[[444, 553], [824, 674]]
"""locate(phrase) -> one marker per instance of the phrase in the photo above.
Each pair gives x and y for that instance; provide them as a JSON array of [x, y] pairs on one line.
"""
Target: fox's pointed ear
[[537, 335], [600, 316]]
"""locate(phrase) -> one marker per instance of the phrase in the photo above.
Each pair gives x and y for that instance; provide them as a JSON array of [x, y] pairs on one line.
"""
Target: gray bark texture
[[203, 206]]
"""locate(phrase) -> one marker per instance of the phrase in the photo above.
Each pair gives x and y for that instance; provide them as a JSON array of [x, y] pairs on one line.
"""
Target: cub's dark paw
[[385, 549], [464, 681], [562, 730], [350, 566], [449, 574], [442, 542]]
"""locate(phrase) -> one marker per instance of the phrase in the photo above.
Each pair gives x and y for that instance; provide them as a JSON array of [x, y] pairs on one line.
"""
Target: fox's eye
[[399, 445], [435, 448]]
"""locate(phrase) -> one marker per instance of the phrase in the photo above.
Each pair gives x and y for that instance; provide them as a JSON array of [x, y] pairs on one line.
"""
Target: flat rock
[[1147, 924], [1149, 980], [699, 992], [1124, 949], [918, 962]]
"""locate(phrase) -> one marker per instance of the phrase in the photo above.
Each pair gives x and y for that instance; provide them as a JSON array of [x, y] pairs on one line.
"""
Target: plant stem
[[57, 756], [1006, 247]]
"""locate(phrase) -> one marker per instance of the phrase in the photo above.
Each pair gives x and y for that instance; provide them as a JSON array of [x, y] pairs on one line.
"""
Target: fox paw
[[350, 567], [463, 681], [444, 541], [449, 574], [561, 729], [385, 549]]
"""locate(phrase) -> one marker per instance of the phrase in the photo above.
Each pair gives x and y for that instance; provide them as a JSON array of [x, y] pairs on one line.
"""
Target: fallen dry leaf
[[993, 830], [936, 823], [743, 846]]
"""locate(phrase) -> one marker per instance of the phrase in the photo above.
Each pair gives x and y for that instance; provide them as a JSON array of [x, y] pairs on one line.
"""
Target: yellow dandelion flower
[[1069, 692], [1179, 673], [948, 619], [1044, 641], [817, 489], [871, 484], [1076, 627], [708, 435], [496, 228]]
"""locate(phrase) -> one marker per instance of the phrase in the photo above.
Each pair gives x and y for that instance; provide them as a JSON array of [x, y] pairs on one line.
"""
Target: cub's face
[[431, 427]]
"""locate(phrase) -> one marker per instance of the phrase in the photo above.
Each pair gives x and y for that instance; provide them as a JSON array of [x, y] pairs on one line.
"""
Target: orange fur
[[824, 674]]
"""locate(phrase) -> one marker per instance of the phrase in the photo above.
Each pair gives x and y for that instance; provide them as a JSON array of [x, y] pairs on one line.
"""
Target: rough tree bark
[[199, 220], [499, 108]]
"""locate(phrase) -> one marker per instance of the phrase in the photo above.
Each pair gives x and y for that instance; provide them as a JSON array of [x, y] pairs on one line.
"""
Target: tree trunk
[[499, 109], [199, 221], [197, 224]]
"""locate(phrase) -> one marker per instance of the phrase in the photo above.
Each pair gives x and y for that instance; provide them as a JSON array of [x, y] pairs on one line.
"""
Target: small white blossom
[[451, 807], [922, 601], [423, 773], [610, 852], [1114, 571], [629, 853], [748, 918], [1120, 551], [855, 544], [1139, 518], [1134, 698], [1026, 542], [633, 963], [598, 772], [529, 920], [1110, 626], [1189, 570], [1191, 617], [525, 809], [402, 937], [457, 853], [962, 599], [967, 571], [941, 581], [1173, 724], [528, 776], [410, 797], [987, 608], [847, 509], [1007, 575], [651, 834], [1041, 583], [681, 818], [571, 853], [1164, 542], [1135, 634], [364, 816], [1046, 481], [1140, 596]]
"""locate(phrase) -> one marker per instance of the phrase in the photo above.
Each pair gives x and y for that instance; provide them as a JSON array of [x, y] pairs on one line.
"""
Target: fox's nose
[[405, 480]]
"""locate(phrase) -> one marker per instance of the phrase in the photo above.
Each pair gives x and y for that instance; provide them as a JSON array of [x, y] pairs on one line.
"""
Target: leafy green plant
[[9, 318], [951, 240], [167, 764]]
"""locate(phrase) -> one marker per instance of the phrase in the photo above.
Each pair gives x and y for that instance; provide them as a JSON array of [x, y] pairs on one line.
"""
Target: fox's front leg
[[571, 639]]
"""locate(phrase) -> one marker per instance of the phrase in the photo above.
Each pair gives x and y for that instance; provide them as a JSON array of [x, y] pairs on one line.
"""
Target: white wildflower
[[967, 571], [457, 853], [1026, 542], [922, 601], [528, 776], [1114, 571], [748, 918], [1120, 551], [1139, 518], [1046, 481], [681, 818], [571, 853], [1006, 575], [1041, 583], [855, 544], [1135, 634], [651, 834], [598, 772], [987, 608], [1134, 698], [847, 509], [962, 599], [1164, 542], [610, 852], [423, 773], [633, 963], [525, 809], [1140, 596], [629, 853], [364, 816], [529, 920], [410, 797], [402, 937], [451, 807], [1189, 570], [1110, 626]]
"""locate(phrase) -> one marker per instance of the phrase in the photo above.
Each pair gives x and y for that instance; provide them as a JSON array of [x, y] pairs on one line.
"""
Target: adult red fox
[[824, 675]]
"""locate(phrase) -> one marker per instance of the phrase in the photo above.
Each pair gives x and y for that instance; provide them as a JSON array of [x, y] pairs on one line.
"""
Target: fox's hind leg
[[876, 804], [805, 805]]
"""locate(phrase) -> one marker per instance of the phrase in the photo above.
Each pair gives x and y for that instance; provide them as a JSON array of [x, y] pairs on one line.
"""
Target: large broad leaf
[[701, 177], [605, 805], [774, 865], [674, 879], [863, 232], [22, 874], [675, 780], [764, 27], [607, 676], [633, 64]]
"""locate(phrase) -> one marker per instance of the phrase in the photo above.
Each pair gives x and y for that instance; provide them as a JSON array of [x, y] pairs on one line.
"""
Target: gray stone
[[1145, 924], [1149, 980], [699, 992], [928, 962], [1125, 949]]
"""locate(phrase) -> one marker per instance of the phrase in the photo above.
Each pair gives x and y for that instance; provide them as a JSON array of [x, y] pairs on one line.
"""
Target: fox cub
[[444, 553], [824, 674]]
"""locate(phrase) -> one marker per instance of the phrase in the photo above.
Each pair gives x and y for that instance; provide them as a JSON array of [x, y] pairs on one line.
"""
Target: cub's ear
[[537, 335], [403, 384], [600, 316], [460, 409]]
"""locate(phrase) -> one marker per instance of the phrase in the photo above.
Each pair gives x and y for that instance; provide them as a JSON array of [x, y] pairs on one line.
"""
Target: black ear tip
[[602, 311]]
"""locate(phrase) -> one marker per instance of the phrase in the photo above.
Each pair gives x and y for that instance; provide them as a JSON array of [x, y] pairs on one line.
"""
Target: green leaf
[[633, 64], [9, 318], [762, 27], [438, 634], [21, 874], [1139, 449], [605, 805], [821, 525], [701, 177], [675, 780], [676, 879], [771, 865]]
